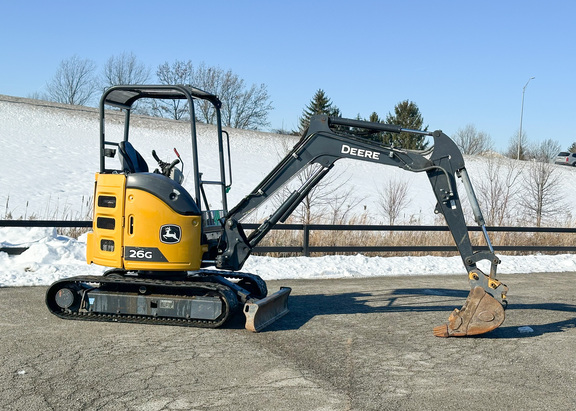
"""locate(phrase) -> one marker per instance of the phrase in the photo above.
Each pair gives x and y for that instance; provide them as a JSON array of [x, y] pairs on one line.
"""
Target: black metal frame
[[124, 97]]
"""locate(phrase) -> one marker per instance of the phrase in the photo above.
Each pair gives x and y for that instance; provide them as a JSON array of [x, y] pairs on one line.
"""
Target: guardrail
[[44, 223], [306, 249]]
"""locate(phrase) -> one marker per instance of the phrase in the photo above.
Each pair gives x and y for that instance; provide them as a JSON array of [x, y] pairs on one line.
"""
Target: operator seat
[[130, 159]]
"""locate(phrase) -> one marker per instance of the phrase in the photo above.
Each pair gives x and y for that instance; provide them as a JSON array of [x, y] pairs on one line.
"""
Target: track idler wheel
[[480, 314]]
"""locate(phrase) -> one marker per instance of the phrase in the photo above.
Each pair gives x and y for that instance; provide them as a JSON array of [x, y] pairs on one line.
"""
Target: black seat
[[130, 159]]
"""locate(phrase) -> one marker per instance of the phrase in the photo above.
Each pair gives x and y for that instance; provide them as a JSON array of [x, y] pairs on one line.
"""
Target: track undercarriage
[[200, 299]]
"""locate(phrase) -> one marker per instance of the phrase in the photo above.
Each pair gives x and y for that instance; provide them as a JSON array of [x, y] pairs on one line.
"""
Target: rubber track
[[231, 302]]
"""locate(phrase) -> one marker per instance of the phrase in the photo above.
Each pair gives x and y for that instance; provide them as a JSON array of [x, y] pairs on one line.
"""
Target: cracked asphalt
[[357, 344]]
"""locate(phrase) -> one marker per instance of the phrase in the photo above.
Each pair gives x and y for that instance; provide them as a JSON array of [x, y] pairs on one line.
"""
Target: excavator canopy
[[126, 96]]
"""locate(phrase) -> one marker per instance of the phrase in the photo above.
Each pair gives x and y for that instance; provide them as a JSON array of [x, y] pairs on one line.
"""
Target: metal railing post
[[306, 241]]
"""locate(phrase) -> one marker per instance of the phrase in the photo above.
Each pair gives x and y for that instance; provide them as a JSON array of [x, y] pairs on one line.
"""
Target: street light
[[521, 115]]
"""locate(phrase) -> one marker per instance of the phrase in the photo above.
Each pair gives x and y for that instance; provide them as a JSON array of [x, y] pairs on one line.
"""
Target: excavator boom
[[443, 163]]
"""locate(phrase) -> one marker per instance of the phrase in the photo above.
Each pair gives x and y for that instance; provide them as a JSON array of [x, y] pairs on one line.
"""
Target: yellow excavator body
[[135, 229]]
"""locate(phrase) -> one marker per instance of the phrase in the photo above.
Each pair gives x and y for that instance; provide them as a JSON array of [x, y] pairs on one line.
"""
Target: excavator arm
[[322, 146]]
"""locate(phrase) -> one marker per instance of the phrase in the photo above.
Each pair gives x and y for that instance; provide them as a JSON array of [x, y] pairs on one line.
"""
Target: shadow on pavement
[[305, 307]]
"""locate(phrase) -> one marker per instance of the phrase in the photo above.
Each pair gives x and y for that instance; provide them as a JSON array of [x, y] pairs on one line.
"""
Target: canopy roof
[[125, 96]]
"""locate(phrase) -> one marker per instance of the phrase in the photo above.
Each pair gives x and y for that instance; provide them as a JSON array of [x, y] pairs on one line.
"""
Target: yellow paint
[[138, 218]]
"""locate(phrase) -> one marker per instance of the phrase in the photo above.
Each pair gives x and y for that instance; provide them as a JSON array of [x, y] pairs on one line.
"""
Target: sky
[[461, 62]]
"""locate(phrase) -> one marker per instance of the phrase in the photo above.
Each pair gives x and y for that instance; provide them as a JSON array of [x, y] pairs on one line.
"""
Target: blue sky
[[461, 62]]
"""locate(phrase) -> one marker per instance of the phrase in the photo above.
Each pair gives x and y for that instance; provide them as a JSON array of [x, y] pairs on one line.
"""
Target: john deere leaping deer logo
[[170, 234]]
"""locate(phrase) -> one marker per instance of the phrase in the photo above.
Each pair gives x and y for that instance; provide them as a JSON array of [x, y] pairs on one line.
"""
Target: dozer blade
[[262, 313], [480, 314]]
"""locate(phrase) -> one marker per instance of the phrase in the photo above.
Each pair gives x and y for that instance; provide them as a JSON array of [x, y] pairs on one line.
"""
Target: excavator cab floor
[[481, 313]]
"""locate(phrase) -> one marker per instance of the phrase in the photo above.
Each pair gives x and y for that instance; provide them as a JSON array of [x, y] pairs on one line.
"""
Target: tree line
[[77, 81], [244, 106], [506, 190], [406, 115]]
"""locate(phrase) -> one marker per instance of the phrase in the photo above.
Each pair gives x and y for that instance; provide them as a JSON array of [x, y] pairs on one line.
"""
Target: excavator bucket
[[480, 314], [262, 313]]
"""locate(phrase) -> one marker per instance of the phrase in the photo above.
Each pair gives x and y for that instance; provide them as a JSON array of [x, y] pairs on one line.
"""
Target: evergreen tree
[[374, 118], [406, 115], [572, 148], [320, 104], [380, 135]]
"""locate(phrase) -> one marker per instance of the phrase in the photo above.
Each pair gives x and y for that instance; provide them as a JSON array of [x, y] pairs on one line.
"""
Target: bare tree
[[546, 151], [342, 202], [471, 141], [518, 148], [393, 199], [242, 107], [541, 195], [37, 95], [179, 72], [327, 194], [74, 82], [498, 188], [209, 79], [248, 109], [323, 197], [124, 69], [328, 201]]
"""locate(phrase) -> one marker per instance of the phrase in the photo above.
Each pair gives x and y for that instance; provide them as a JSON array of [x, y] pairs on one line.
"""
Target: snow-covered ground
[[50, 155], [51, 257]]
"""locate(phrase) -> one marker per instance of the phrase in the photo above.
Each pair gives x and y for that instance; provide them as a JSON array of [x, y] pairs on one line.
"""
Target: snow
[[49, 258], [51, 155], [52, 256]]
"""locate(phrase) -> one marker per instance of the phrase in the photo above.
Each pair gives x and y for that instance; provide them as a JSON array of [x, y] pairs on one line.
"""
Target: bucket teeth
[[261, 313], [480, 314]]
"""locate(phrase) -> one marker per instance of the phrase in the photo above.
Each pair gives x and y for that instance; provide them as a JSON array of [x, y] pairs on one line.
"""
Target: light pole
[[521, 115]]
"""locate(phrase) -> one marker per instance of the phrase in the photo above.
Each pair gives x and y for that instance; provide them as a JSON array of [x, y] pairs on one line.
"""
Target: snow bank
[[48, 258]]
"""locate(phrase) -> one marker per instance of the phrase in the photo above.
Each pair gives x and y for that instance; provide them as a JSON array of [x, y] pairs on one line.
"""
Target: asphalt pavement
[[355, 344]]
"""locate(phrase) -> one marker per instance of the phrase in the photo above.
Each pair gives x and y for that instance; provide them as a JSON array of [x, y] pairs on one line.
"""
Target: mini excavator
[[173, 258]]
